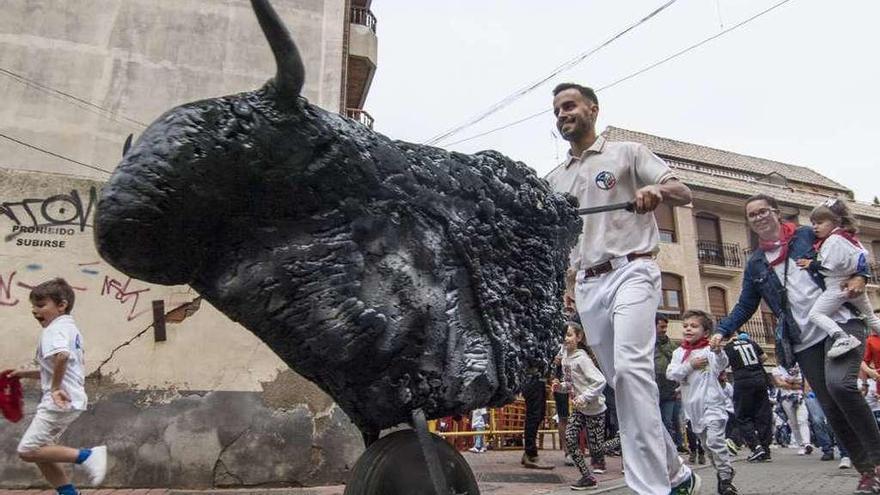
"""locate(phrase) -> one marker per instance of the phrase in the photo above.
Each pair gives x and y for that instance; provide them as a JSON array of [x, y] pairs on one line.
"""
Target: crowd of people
[[710, 395], [633, 390]]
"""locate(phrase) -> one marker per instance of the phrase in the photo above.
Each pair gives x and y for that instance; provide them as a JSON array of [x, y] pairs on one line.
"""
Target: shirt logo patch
[[606, 180]]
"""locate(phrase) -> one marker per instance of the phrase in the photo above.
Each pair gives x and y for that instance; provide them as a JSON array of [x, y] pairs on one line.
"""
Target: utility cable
[[69, 98], [565, 66], [56, 155], [630, 76]]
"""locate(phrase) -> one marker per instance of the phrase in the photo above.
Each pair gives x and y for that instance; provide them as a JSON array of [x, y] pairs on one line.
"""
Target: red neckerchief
[[842, 233], [786, 232], [688, 347]]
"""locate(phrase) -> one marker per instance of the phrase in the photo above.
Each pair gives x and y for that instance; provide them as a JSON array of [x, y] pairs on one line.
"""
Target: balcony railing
[[364, 17], [761, 330], [361, 116], [720, 254]]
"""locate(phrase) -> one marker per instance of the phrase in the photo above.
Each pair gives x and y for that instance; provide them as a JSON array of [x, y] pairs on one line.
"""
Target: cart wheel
[[395, 465]]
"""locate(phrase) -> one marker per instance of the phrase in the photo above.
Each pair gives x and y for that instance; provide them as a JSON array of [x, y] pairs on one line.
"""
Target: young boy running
[[62, 377], [697, 367]]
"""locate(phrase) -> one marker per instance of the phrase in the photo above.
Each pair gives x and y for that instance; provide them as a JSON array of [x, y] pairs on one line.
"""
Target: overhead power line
[[630, 76], [69, 98], [56, 155], [565, 66]]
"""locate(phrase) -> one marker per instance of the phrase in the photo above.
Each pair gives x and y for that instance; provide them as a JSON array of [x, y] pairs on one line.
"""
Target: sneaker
[[533, 462], [598, 467], [568, 460], [757, 455], [588, 482], [484, 450], [692, 457], [845, 463], [731, 447], [868, 483], [843, 345], [690, 486], [474, 450], [808, 449], [802, 451], [725, 487], [827, 456], [96, 465], [701, 458]]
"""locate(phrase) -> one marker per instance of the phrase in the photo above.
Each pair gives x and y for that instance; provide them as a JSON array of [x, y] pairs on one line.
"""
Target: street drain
[[520, 478]]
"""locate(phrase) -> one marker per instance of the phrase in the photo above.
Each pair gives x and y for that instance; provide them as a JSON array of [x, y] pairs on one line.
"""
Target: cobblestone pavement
[[501, 473], [788, 473]]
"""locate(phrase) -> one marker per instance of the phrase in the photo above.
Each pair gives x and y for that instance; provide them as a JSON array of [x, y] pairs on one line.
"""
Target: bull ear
[[291, 73]]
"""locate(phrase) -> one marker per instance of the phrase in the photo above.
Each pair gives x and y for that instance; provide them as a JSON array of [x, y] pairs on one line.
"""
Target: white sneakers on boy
[[842, 345], [96, 465]]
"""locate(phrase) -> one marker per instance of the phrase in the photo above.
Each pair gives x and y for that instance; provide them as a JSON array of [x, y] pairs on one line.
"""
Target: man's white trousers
[[617, 311]]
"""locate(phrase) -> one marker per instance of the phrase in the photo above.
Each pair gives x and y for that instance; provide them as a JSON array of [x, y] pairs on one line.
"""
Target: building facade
[[705, 244], [181, 395]]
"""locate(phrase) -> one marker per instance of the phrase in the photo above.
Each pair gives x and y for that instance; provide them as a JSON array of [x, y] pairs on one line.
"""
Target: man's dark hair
[[586, 92], [57, 290], [660, 317], [770, 200]]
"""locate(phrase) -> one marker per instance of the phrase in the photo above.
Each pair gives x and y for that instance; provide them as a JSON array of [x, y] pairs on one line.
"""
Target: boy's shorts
[[46, 428], [561, 400]]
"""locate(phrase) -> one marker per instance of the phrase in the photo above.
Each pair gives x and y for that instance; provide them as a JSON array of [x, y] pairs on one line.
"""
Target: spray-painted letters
[[122, 294]]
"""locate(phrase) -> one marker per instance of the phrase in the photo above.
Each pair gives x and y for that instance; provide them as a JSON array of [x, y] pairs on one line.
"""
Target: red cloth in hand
[[11, 397]]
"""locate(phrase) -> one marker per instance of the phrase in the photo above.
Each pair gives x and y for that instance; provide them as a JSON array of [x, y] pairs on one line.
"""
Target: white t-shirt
[[477, 417], [871, 397], [802, 293], [840, 259], [611, 172], [62, 336], [787, 377], [702, 398]]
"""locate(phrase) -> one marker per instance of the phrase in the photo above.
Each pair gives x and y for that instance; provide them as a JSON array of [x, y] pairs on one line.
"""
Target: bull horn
[[291, 72]]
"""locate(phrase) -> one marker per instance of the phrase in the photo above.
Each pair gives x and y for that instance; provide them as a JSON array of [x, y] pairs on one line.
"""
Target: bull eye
[[242, 109]]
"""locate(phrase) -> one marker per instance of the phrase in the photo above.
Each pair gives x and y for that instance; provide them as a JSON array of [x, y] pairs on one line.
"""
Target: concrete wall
[[211, 406], [171, 412], [136, 59]]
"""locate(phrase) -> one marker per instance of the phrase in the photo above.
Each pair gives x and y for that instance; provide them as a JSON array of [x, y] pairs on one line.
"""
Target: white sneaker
[[474, 450], [96, 465], [843, 345], [802, 451], [845, 463]]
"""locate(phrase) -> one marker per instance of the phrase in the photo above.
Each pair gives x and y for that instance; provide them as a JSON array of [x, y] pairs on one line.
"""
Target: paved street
[[500, 473]]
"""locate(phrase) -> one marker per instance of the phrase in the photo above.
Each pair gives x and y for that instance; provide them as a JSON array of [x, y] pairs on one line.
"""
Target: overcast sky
[[799, 84]]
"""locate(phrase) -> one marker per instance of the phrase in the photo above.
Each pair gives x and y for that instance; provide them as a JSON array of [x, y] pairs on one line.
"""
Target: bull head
[[393, 275]]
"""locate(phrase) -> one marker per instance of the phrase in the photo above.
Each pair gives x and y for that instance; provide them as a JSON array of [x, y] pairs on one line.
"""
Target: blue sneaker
[[690, 486]]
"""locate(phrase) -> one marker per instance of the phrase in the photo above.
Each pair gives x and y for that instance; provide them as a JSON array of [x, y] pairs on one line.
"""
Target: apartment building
[[705, 245]]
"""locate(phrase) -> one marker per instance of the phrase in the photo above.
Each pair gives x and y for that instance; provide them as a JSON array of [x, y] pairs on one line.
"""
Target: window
[[665, 216], [717, 301], [875, 249], [673, 297], [709, 247]]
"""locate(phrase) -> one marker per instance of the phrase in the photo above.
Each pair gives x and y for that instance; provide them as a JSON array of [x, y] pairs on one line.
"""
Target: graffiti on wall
[[15, 287], [45, 222], [125, 295]]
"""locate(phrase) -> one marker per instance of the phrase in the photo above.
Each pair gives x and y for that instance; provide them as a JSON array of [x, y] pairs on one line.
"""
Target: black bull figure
[[393, 275]]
